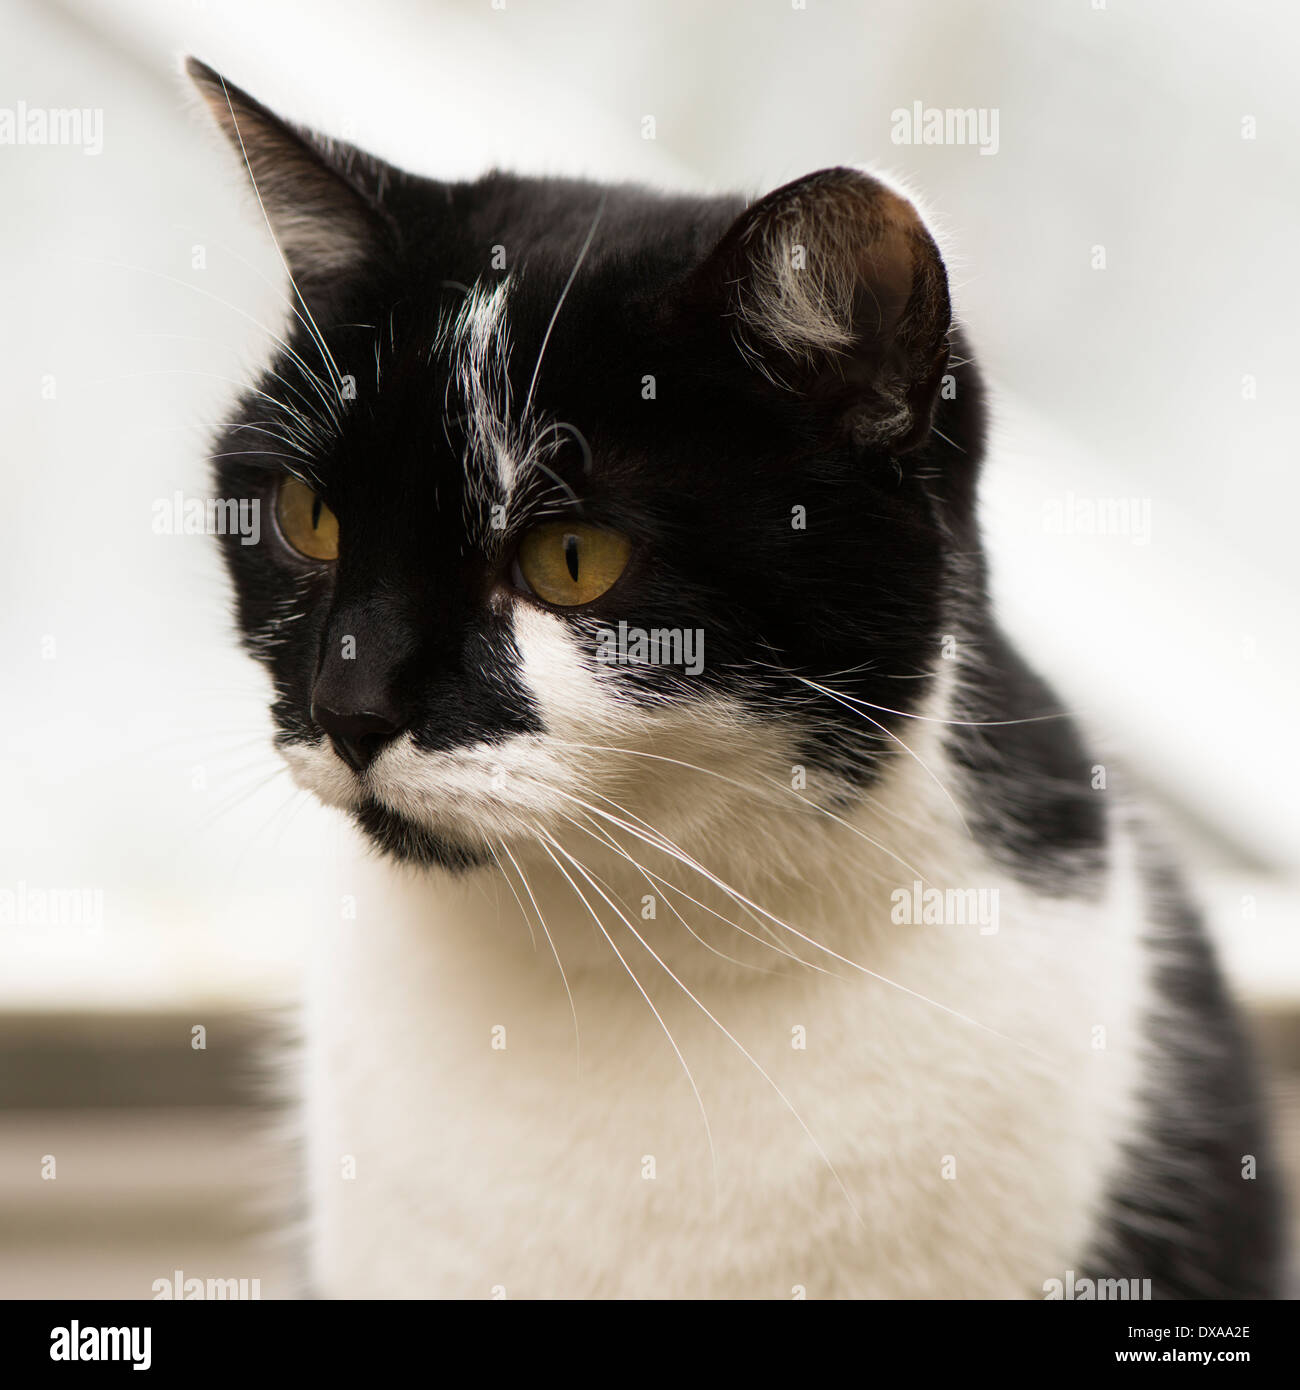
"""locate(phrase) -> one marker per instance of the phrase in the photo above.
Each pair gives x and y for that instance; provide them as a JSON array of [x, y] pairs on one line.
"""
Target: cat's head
[[585, 497]]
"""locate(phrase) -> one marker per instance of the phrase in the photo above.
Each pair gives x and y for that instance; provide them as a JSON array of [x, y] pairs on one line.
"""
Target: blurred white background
[[136, 762], [135, 757]]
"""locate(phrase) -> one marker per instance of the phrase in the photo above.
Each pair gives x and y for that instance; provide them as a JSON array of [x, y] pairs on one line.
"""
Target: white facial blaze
[[500, 446], [479, 344]]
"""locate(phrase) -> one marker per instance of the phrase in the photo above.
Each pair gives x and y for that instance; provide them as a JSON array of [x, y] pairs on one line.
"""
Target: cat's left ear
[[834, 289], [321, 197]]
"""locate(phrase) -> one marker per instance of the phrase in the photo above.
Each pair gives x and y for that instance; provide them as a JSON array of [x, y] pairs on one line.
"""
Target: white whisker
[[794, 931], [523, 878], [731, 1038], [546, 842], [568, 284]]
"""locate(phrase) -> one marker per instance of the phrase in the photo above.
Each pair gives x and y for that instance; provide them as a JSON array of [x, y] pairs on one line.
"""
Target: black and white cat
[[754, 923]]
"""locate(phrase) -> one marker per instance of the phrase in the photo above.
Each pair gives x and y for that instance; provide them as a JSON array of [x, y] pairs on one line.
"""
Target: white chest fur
[[943, 1135]]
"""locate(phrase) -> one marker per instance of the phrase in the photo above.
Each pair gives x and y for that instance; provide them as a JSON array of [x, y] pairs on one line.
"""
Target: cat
[[749, 919]]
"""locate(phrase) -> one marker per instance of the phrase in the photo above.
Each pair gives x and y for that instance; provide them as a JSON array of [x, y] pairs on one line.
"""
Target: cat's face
[[575, 490]]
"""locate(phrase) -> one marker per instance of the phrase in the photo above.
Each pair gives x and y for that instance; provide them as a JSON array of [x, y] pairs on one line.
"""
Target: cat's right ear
[[321, 197], [832, 289]]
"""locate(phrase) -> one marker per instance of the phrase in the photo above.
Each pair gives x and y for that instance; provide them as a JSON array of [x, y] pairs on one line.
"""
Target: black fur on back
[[1187, 1209]]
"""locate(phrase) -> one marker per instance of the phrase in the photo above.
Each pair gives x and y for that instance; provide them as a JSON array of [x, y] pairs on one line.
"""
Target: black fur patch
[[1180, 1212], [758, 516], [401, 838], [1030, 797]]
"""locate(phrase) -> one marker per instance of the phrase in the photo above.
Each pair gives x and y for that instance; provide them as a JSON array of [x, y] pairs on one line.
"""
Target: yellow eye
[[567, 563], [306, 522]]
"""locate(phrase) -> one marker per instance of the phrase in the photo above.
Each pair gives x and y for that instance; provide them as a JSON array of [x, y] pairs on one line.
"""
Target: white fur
[[804, 269], [477, 342], [522, 1170], [503, 440]]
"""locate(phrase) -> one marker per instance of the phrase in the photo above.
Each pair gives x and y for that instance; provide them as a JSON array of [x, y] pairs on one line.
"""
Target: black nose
[[357, 735]]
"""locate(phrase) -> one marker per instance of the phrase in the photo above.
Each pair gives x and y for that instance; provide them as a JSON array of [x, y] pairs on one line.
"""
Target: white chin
[[319, 770]]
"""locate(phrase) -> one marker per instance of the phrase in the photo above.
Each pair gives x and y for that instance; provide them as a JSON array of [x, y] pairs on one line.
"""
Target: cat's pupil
[[316, 506], [571, 556]]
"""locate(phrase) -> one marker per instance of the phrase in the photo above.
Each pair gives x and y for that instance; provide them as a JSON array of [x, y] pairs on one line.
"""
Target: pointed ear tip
[[199, 72], [207, 85]]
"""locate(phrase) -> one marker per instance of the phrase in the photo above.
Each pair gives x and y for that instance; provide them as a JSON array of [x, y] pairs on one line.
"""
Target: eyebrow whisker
[[568, 284]]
